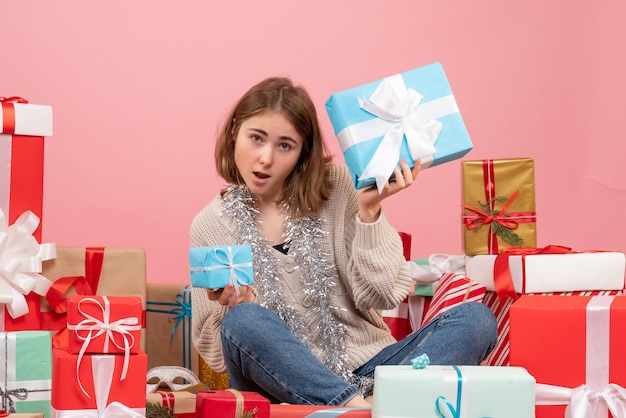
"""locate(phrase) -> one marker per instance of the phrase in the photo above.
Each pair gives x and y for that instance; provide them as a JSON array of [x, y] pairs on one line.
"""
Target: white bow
[[21, 258], [583, 402], [102, 371], [96, 327]]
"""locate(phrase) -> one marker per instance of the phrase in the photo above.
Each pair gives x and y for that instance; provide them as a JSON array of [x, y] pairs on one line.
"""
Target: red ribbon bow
[[502, 217], [86, 285]]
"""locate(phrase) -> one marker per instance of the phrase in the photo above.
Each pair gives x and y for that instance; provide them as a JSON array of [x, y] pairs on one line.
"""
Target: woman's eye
[[255, 138], [285, 146]]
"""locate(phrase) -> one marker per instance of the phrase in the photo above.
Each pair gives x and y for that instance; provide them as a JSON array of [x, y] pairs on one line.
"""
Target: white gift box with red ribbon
[[541, 273]]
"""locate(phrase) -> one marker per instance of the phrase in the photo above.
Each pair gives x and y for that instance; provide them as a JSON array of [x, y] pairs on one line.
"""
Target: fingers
[[229, 296], [403, 176]]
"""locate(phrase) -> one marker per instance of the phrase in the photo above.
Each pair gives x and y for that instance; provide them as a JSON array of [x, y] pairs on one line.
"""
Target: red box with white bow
[[576, 346], [85, 384], [104, 324]]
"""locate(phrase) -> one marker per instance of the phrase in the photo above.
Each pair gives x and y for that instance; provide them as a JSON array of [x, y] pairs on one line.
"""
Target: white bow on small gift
[[21, 258]]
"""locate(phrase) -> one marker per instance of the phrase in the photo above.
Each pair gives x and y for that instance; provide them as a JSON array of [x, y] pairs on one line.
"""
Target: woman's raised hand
[[370, 199]]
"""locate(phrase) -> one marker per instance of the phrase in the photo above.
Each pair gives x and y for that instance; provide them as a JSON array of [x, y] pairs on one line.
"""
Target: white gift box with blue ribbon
[[412, 116], [215, 267], [453, 391]]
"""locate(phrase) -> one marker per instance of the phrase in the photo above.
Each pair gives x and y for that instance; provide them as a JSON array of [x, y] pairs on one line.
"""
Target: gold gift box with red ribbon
[[498, 205]]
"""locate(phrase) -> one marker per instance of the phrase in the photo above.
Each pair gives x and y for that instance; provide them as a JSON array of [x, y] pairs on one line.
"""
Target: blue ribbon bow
[[181, 313]]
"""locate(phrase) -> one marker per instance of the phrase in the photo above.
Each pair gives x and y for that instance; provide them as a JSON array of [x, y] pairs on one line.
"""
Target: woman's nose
[[265, 156]]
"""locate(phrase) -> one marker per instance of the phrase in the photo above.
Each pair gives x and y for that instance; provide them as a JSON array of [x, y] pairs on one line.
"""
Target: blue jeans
[[262, 355]]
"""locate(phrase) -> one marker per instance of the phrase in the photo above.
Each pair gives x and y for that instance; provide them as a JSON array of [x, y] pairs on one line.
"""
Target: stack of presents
[[84, 334]]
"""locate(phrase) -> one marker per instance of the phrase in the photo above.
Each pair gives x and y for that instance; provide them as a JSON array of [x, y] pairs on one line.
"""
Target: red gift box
[[499, 356], [81, 384], [453, 289], [315, 411], [104, 324], [568, 342], [398, 319], [231, 403], [22, 130]]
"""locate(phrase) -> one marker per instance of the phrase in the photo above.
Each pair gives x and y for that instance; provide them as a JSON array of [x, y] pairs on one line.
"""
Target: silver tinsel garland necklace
[[318, 272]]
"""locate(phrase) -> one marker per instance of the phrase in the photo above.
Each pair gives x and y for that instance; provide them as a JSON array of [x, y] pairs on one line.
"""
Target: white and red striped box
[[452, 290]]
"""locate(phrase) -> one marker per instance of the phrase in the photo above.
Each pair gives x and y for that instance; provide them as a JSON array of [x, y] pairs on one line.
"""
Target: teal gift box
[[412, 116], [215, 267], [26, 371], [453, 391]]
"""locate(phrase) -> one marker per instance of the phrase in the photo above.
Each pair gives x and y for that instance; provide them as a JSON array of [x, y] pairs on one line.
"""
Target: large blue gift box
[[412, 116], [215, 267]]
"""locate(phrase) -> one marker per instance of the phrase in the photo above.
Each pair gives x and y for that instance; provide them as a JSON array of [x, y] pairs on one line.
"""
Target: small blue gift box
[[410, 116], [215, 267]]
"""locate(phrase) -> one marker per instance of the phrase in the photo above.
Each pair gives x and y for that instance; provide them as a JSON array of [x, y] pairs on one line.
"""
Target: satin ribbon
[[443, 404], [399, 113], [438, 264], [181, 313], [596, 396], [508, 220], [228, 262], [21, 258], [8, 113], [502, 278], [86, 285], [102, 373], [96, 327], [501, 217]]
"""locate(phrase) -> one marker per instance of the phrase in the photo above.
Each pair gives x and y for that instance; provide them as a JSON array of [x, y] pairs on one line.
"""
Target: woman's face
[[267, 148]]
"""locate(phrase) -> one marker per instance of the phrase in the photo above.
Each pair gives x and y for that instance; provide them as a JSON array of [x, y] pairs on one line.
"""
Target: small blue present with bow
[[215, 267], [411, 116]]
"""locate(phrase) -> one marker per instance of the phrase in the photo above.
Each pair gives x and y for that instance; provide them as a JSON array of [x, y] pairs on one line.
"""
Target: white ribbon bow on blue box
[[411, 116], [215, 267]]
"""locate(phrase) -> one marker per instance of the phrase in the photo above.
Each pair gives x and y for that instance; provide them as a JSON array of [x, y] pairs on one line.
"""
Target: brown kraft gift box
[[168, 326], [102, 271]]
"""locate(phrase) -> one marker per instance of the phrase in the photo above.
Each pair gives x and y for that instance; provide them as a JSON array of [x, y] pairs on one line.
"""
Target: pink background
[[138, 89]]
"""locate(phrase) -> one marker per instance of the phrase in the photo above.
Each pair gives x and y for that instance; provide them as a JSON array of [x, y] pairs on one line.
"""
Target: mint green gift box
[[26, 371], [453, 391], [423, 289]]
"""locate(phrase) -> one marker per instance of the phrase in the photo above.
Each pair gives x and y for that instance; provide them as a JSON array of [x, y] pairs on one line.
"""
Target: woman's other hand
[[228, 295]]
